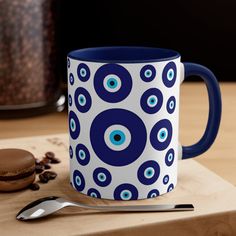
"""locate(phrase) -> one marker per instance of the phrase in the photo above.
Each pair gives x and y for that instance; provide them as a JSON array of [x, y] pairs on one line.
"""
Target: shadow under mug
[[124, 120]]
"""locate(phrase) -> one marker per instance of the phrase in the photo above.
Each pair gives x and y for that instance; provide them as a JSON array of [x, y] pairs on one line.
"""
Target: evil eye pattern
[[68, 62], [126, 192], [92, 192], [78, 180], [70, 100], [170, 188], [82, 99], [161, 134], [71, 152], [170, 106], [114, 136], [74, 125], [169, 74], [169, 158], [148, 73], [102, 177], [166, 179], [153, 193], [151, 100], [82, 154], [83, 72], [112, 83], [117, 137], [71, 79], [148, 172]]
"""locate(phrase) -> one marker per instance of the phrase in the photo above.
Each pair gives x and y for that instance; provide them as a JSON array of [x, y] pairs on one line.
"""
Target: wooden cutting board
[[214, 200]]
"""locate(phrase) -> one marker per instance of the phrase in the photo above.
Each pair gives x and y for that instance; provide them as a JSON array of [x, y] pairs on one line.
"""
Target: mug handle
[[215, 108]]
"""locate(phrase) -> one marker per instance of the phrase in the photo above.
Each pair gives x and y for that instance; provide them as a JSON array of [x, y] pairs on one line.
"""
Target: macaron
[[17, 169]]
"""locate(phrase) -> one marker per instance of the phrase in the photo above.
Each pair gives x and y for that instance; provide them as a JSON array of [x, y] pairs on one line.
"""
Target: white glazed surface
[[127, 173]]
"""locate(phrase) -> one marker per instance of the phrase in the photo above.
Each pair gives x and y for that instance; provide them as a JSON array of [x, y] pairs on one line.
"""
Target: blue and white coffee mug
[[124, 120]]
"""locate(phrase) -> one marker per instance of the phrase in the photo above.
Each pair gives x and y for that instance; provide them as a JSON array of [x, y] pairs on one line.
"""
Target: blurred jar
[[29, 80]]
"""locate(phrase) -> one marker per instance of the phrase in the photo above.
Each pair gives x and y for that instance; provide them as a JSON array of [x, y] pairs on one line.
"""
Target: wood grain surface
[[215, 209], [212, 196], [221, 158]]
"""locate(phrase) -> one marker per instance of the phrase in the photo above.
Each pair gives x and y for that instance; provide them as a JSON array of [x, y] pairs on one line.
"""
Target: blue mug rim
[[124, 54]]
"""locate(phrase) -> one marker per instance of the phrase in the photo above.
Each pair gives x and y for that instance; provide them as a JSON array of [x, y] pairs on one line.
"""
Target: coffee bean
[[43, 179], [34, 187], [41, 163], [50, 155], [49, 175], [39, 168], [55, 160], [47, 166], [46, 160]]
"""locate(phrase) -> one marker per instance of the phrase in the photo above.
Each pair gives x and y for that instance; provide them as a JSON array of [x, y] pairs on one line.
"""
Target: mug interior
[[124, 54]]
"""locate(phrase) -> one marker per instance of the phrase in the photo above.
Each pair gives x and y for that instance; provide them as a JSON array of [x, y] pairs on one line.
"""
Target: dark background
[[203, 31]]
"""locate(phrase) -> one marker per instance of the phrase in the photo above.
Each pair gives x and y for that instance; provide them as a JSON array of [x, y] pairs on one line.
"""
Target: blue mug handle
[[215, 108]]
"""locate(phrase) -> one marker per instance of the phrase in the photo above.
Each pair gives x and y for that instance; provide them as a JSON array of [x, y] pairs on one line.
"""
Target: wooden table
[[221, 158]]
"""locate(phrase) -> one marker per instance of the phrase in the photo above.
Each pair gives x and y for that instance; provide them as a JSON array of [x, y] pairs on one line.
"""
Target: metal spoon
[[48, 205]]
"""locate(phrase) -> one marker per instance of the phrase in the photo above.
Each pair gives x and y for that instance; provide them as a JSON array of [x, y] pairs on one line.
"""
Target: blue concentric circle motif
[[112, 83], [161, 134], [82, 99], [126, 192], [71, 152], [92, 192], [115, 136], [166, 179], [170, 156], [82, 154], [83, 72], [170, 187], [71, 79], [74, 125], [171, 104], [148, 73], [148, 172], [153, 193], [102, 177], [169, 74], [78, 180], [70, 100], [151, 100]]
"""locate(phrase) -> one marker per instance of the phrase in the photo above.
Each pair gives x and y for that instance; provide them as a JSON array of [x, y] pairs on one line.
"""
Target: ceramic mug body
[[123, 122]]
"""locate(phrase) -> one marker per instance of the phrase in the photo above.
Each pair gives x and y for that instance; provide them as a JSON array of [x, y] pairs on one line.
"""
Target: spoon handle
[[143, 208]]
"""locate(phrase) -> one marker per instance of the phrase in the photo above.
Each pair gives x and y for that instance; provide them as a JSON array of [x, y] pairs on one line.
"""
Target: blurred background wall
[[202, 31], [36, 36]]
